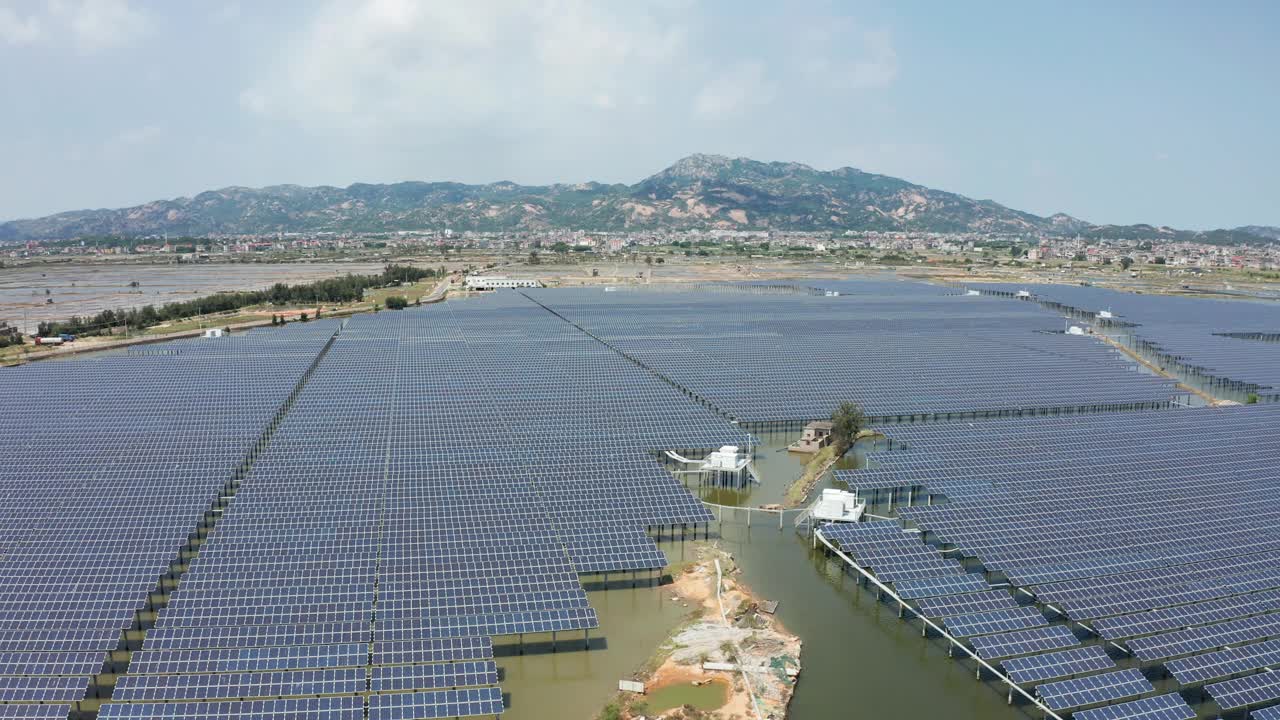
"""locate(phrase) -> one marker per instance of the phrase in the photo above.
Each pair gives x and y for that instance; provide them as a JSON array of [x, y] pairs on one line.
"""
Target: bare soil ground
[[745, 637]]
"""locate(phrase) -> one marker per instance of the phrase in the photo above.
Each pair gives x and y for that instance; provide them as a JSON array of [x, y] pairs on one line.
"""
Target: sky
[[1114, 112]]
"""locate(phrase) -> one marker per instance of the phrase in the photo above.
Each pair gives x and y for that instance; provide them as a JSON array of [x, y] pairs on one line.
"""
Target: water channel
[[859, 659]]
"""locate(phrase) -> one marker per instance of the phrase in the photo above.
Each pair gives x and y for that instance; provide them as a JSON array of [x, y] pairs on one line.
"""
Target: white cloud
[[18, 29], [254, 101], [733, 91], [551, 89], [101, 24], [227, 12], [133, 139], [138, 135], [837, 54], [387, 63], [86, 25], [877, 68]]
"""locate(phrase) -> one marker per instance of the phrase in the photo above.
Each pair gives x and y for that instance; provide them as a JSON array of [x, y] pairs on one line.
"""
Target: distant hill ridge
[[697, 192]]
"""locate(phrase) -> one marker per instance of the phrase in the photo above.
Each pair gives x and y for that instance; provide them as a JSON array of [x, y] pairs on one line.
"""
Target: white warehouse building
[[494, 282]]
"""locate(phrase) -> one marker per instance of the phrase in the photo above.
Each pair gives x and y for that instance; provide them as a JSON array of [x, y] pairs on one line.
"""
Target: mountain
[[699, 191], [1266, 231]]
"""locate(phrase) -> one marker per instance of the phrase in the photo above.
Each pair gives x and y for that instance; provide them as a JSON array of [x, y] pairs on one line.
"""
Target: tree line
[[349, 288]]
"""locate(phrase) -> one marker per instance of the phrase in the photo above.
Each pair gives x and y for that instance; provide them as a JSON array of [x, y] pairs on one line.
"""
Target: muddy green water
[[575, 683], [702, 697], [859, 659]]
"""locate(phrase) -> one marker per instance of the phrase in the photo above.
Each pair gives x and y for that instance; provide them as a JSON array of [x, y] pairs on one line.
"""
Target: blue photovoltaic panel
[[1268, 713], [911, 349], [35, 712], [1161, 707], [371, 428], [1185, 616], [1192, 640], [50, 663], [59, 639], [933, 587], [1076, 661], [1024, 642], [437, 650], [1245, 691], [254, 659], [434, 676], [42, 688], [330, 708], [996, 621], [73, 581], [1225, 663], [1094, 689], [245, 636], [436, 704], [230, 686], [966, 604]]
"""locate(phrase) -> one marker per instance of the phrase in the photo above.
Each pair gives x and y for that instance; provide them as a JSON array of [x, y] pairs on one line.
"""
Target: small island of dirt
[[740, 664]]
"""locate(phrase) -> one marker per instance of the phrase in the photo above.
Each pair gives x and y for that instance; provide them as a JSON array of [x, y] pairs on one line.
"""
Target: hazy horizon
[[1146, 113]]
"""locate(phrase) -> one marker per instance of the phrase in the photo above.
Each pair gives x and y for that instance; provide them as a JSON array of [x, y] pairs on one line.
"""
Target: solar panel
[[1170, 706], [228, 660], [1268, 713], [436, 650], [966, 604], [1185, 642], [436, 704], [1225, 663], [934, 587], [1076, 661], [996, 621], [34, 712], [1246, 691], [369, 430], [434, 676], [330, 708], [1185, 616], [1023, 642], [1094, 689], [143, 688], [38, 688]]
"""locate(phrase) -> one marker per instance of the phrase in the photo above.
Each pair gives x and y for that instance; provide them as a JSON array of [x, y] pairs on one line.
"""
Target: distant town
[[852, 244]]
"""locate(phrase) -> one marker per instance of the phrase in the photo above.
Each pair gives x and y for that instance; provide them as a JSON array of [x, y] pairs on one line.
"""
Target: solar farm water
[[412, 514]]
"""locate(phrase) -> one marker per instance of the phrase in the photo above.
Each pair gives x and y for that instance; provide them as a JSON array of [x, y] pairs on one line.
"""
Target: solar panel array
[[1094, 689], [1223, 339], [445, 475], [1154, 528], [1064, 663], [890, 553], [438, 476], [111, 464], [1169, 706], [1243, 692], [898, 349], [1025, 642]]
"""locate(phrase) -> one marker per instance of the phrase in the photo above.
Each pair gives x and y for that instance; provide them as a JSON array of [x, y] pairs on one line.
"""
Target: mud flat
[[730, 660]]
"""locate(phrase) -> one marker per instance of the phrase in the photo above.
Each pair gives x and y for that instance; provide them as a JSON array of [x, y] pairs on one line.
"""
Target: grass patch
[[412, 293], [206, 321], [813, 470], [14, 353]]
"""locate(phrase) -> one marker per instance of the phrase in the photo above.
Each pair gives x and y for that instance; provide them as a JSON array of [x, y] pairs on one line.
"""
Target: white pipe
[[755, 704]]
